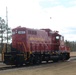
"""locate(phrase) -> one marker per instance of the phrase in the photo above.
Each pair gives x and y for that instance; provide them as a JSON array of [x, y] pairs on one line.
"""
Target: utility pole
[[7, 27]]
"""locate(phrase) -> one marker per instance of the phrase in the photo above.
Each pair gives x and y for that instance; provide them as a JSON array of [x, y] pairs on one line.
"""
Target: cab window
[[21, 32], [13, 32]]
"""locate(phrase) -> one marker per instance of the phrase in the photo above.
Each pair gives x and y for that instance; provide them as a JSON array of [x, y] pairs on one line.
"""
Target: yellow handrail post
[[4, 49]]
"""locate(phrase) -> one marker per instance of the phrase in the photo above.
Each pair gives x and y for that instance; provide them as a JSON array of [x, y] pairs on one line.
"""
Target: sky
[[57, 15]]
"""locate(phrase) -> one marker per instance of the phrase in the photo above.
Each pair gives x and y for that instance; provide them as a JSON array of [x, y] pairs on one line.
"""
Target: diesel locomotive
[[32, 46]]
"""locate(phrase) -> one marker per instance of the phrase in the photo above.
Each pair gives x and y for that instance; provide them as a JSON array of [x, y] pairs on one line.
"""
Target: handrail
[[4, 50]]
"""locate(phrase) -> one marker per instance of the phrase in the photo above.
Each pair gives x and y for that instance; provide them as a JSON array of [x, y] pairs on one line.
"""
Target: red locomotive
[[32, 46]]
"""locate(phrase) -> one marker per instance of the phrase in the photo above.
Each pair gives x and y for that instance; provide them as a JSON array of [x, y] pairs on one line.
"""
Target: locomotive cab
[[16, 55], [18, 39], [55, 39]]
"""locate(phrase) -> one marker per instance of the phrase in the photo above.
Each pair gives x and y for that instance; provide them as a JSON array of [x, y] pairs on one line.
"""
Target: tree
[[67, 43], [5, 33], [71, 44]]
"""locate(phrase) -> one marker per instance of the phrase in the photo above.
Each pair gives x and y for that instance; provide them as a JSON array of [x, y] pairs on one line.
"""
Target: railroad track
[[5, 68], [73, 58], [24, 66]]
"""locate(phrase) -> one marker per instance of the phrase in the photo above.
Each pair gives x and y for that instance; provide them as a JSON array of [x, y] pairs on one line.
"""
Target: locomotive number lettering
[[36, 39]]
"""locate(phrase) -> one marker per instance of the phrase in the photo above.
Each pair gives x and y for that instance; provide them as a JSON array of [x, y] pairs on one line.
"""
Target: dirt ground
[[60, 68]]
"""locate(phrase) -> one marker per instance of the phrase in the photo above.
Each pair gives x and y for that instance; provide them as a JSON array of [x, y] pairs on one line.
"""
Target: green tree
[[5, 33], [71, 44]]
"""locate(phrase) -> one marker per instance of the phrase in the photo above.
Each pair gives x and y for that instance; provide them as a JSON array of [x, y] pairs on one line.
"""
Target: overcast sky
[[54, 14]]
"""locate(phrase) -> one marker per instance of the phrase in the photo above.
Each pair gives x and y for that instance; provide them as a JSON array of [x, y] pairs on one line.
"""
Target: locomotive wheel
[[27, 63], [64, 58], [37, 60], [67, 56], [47, 61], [18, 64], [55, 60]]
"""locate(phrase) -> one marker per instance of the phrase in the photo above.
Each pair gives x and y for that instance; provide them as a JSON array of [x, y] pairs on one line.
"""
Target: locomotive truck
[[32, 46]]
